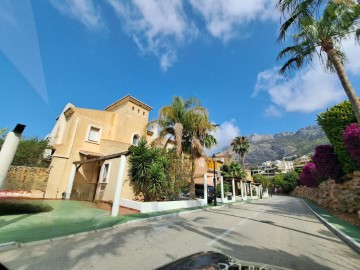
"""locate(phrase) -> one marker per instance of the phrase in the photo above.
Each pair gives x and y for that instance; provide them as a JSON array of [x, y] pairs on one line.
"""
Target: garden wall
[[343, 197], [148, 207], [27, 179]]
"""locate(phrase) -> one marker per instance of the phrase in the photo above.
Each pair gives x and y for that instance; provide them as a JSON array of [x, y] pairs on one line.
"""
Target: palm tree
[[174, 120], [147, 170], [233, 170], [195, 139], [241, 146], [294, 10], [188, 123], [323, 37]]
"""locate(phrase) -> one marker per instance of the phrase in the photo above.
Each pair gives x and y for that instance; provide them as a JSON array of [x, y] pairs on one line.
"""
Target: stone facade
[[343, 197], [26, 178]]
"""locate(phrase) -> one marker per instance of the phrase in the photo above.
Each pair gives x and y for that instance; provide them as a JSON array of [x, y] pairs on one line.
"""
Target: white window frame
[[88, 134], [100, 181], [132, 139]]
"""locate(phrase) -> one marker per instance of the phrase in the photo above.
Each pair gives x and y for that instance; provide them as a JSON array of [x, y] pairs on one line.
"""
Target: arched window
[[136, 139]]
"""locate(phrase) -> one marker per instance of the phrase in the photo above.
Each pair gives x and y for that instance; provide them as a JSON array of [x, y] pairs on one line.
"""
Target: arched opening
[[135, 139]]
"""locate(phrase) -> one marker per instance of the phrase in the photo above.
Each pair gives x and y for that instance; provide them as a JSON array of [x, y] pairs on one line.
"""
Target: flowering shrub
[[326, 162], [351, 138], [308, 176], [333, 122]]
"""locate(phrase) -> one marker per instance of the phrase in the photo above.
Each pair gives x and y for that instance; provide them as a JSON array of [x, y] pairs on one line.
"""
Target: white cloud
[[224, 135], [83, 10], [353, 54], [157, 27], [272, 111], [223, 18], [310, 90]]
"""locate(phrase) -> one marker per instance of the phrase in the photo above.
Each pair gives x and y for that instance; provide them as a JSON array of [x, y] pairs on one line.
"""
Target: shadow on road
[[274, 224], [90, 249], [274, 212]]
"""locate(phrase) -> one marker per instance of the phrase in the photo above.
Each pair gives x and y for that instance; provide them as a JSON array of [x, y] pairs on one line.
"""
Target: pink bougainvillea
[[309, 175], [351, 138], [327, 163]]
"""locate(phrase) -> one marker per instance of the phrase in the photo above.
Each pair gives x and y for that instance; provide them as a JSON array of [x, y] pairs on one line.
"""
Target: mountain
[[285, 144]]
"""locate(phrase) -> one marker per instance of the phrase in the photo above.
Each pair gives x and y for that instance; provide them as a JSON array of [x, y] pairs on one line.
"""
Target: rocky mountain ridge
[[285, 144]]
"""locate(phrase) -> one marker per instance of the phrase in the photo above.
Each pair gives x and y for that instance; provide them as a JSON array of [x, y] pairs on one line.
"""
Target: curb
[[347, 239], [15, 245], [9, 245]]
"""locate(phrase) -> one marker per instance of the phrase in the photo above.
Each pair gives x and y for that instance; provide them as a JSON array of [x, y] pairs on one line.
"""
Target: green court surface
[[344, 226], [62, 218]]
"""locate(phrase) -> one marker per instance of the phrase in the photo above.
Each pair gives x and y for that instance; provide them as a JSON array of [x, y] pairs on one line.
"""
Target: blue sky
[[92, 53]]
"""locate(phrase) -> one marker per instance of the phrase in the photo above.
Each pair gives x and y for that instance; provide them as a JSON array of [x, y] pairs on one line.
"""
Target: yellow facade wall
[[117, 128]]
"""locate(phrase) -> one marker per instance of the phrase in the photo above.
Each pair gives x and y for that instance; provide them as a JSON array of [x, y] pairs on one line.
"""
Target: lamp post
[[213, 158]]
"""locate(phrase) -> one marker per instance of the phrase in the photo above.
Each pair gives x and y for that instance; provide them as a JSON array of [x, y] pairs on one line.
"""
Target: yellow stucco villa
[[82, 134]]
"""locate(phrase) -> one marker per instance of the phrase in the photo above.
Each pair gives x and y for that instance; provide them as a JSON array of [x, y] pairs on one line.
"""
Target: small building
[[81, 134], [271, 168], [301, 162]]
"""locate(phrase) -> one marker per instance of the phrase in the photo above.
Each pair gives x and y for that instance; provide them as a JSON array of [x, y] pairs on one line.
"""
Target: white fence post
[[118, 188], [205, 189], [71, 182], [233, 188], [222, 188]]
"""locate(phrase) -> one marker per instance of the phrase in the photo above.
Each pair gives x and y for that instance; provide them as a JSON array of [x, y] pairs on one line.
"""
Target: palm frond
[[192, 102], [297, 10], [299, 55], [357, 36]]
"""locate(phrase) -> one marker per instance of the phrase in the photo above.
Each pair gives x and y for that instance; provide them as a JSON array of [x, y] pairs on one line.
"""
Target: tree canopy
[[320, 34], [241, 146], [30, 151], [188, 123]]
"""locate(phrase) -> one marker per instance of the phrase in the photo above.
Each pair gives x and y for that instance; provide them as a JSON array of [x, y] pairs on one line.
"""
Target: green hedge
[[334, 122]]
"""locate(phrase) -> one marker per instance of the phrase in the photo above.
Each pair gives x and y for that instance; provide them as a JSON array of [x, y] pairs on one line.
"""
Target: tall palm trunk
[[346, 84], [178, 129], [196, 151]]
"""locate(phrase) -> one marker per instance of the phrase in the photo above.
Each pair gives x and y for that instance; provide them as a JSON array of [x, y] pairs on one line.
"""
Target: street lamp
[[213, 158]]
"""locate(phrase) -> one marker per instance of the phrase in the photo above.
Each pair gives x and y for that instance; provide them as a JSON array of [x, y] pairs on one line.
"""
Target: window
[[105, 173], [94, 134], [143, 113], [135, 140], [133, 108]]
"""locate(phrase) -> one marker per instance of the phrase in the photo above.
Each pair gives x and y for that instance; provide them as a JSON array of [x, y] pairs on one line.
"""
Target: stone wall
[[343, 197], [26, 178]]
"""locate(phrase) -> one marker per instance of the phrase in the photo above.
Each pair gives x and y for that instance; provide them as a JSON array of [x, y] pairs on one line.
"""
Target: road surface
[[278, 231]]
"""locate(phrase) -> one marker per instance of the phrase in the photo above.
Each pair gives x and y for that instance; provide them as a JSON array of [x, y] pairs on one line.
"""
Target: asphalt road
[[278, 231]]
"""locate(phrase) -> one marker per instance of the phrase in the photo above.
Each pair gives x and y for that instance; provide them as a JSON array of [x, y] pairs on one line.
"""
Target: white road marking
[[221, 236]]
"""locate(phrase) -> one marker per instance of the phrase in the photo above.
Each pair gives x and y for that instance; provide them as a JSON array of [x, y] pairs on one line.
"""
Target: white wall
[[148, 207], [226, 199]]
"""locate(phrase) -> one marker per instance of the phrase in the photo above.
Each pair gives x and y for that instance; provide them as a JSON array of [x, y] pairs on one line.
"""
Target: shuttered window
[[94, 134]]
